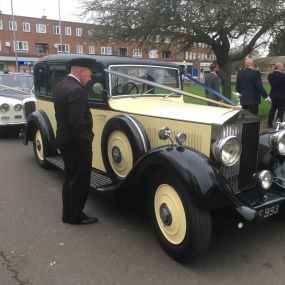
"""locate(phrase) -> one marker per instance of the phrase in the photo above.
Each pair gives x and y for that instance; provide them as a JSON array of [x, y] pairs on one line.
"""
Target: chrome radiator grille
[[239, 175]]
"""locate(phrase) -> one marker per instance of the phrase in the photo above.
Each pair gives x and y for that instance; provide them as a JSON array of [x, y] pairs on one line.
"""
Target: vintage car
[[17, 100], [183, 160]]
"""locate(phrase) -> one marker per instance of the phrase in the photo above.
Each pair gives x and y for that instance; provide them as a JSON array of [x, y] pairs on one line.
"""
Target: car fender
[[208, 187], [39, 120]]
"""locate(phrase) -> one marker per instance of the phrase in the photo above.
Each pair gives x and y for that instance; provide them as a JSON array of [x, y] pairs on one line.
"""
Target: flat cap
[[83, 62]]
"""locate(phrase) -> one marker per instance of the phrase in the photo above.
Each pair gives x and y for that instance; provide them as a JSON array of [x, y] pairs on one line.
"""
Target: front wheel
[[39, 150], [182, 228]]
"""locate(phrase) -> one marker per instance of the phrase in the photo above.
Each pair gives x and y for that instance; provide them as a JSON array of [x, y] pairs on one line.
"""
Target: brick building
[[36, 37]]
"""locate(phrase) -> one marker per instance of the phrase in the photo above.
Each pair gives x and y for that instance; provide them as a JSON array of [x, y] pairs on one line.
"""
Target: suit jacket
[[72, 112], [277, 83], [249, 85], [213, 81]]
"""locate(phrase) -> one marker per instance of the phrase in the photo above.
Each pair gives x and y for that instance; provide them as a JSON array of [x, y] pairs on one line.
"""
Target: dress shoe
[[84, 221]]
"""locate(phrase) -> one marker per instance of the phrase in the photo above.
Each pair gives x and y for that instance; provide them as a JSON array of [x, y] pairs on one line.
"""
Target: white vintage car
[[17, 100]]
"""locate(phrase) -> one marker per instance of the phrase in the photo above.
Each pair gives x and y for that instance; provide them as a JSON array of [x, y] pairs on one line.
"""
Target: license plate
[[268, 211]]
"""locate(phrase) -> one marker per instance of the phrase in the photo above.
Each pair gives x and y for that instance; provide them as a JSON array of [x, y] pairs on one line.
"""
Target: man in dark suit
[[277, 93], [212, 80], [74, 138], [249, 85]]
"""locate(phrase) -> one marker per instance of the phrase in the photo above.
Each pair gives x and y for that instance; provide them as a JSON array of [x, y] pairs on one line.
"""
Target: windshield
[[123, 86], [16, 82]]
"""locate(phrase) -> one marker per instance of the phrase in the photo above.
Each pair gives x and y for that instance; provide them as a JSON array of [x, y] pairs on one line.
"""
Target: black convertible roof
[[105, 60]]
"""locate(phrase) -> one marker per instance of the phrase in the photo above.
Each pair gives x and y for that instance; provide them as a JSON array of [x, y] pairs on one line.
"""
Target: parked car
[[17, 100], [184, 160]]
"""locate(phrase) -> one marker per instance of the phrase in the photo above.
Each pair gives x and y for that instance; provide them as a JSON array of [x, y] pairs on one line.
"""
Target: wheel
[[39, 150], [182, 228], [126, 89], [124, 141], [129, 87]]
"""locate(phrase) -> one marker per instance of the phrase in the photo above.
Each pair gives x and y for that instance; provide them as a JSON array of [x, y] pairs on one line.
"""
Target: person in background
[[249, 85], [213, 81], [74, 138], [277, 93]]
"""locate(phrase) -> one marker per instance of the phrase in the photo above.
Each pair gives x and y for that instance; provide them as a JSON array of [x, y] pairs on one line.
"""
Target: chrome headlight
[[264, 179], [277, 142], [180, 138], [227, 151], [4, 108], [18, 107]]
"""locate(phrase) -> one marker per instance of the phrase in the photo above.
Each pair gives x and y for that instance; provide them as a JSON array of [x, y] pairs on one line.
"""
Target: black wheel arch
[[135, 133], [38, 120], [205, 182]]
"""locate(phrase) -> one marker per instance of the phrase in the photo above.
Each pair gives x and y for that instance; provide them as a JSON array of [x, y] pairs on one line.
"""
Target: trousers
[[78, 163], [279, 106]]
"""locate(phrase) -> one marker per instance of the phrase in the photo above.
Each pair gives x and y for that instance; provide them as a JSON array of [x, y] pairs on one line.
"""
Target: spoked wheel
[[182, 228], [39, 150]]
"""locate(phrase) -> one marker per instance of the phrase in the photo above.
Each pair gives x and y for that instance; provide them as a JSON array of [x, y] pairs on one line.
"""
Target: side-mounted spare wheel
[[182, 228], [124, 141], [40, 149]]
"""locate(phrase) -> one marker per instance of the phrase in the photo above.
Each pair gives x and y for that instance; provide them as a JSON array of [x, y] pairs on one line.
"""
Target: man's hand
[[268, 100]]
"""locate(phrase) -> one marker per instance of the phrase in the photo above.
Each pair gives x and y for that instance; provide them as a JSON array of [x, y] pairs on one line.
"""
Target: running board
[[99, 181]]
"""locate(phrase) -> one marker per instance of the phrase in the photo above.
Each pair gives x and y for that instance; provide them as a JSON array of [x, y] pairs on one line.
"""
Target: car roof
[[105, 60]]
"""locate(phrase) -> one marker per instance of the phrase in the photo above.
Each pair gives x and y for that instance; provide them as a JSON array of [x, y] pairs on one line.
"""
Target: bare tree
[[232, 28]]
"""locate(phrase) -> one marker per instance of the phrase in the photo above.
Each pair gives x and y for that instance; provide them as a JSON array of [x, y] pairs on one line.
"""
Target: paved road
[[36, 248]]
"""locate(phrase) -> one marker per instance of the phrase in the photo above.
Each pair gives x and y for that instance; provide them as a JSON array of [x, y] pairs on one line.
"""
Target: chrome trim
[[139, 130]]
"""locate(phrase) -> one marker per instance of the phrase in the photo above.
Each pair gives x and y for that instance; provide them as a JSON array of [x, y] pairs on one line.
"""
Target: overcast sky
[[38, 8]]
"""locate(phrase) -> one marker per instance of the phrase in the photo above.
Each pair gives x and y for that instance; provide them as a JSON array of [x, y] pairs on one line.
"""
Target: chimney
[[44, 17]]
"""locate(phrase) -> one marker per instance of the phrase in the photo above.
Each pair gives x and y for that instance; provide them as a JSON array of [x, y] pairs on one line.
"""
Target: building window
[[41, 48], [91, 50], [26, 27], [21, 46], [79, 49], [1, 24], [166, 54], [106, 50], [90, 32], [122, 52], [64, 48], [78, 32], [137, 52], [56, 30], [12, 25], [153, 53], [41, 28], [67, 31]]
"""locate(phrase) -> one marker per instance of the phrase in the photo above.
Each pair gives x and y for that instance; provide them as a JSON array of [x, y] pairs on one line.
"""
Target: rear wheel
[[182, 228], [39, 150]]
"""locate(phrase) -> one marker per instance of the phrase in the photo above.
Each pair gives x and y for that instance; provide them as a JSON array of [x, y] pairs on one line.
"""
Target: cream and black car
[[184, 160]]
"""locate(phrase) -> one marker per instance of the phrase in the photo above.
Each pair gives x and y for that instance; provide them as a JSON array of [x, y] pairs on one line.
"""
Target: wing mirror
[[98, 89]]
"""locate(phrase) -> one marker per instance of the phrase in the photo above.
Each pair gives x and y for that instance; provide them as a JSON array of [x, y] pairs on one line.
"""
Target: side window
[[97, 77], [55, 75], [40, 75]]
